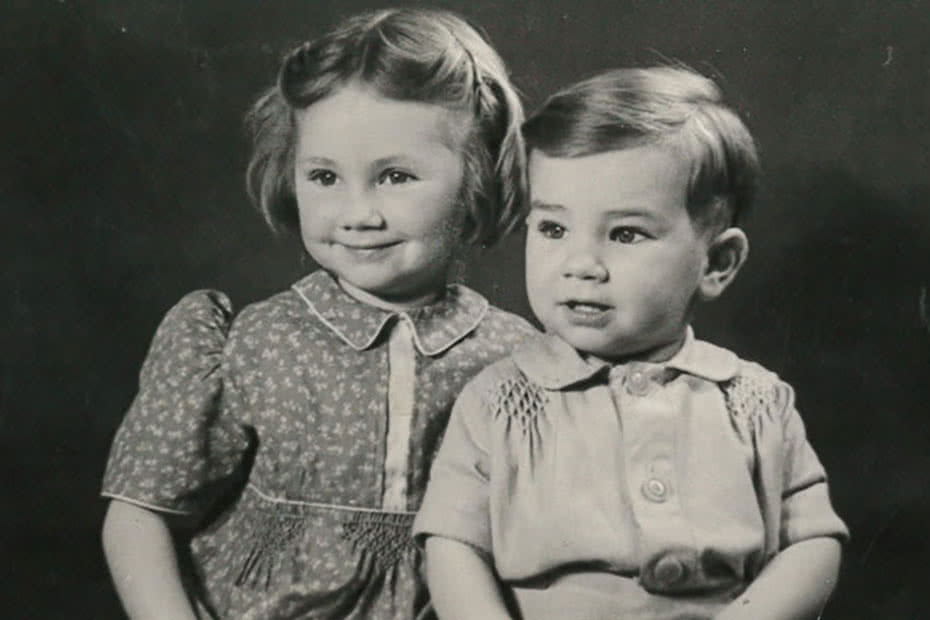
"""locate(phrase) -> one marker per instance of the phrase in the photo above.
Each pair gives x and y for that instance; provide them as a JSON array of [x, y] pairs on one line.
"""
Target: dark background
[[122, 162]]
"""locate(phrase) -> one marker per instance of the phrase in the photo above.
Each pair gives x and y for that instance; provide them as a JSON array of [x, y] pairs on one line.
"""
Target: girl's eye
[[627, 235], [551, 230], [395, 177], [323, 177]]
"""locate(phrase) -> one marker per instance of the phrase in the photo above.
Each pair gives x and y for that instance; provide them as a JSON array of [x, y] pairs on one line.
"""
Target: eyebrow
[[555, 208], [394, 159], [633, 212], [378, 163], [546, 206], [315, 159]]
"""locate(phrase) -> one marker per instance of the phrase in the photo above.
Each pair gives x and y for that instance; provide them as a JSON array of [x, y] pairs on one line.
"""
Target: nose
[[361, 212], [584, 266]]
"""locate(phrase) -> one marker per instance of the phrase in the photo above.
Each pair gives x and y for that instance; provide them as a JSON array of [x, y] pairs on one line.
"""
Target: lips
[[586, 313], [361, 247], [368, 251], [586, 307]]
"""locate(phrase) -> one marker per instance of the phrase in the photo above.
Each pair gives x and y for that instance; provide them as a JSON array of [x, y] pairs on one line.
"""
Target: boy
[[617, 467]]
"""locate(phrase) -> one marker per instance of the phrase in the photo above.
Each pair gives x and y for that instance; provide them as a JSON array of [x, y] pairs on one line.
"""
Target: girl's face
[[377, 184]]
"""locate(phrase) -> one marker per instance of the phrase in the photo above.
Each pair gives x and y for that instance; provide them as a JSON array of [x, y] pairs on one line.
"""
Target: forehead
[[357, 118], [641, 176]]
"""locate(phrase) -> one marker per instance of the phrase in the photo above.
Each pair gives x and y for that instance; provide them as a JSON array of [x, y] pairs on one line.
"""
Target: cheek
[[544, 260], [438, 226], [311, 213], [540, 280]]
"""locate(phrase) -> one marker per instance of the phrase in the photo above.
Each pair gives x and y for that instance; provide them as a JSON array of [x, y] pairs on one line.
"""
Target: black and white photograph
[[451, 310]]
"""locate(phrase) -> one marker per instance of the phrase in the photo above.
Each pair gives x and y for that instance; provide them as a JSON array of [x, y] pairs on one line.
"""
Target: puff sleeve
[[178, 445]]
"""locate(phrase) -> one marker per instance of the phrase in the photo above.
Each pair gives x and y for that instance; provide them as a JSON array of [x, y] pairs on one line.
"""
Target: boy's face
[[613, 260]]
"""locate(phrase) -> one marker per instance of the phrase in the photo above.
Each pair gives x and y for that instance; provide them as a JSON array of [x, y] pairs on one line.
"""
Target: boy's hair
[[668, 105], [423, 55]]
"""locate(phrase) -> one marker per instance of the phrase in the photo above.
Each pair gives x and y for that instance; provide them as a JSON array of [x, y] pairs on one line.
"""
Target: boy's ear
[[726, 253]]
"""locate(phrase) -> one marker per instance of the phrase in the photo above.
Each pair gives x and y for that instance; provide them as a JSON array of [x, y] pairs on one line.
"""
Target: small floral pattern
[[270, 427]]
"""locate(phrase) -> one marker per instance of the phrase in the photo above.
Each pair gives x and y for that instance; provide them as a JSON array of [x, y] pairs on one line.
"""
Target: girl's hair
[[423, 55], [670, 105]]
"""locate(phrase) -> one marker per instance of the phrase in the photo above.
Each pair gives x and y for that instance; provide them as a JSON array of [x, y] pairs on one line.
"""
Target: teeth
[[588, 308]]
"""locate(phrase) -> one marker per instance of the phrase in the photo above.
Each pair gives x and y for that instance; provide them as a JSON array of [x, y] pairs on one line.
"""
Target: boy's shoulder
[[507, 375], [752, 388], [740, 368]]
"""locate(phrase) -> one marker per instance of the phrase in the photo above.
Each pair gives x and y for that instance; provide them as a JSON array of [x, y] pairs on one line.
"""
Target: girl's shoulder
[[283, 306], [493, 322], [206, 320], [507, 323], [488, 333], [199, 321]]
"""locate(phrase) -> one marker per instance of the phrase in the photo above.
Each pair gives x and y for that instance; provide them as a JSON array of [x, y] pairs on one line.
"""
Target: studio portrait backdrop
[[123, 188]]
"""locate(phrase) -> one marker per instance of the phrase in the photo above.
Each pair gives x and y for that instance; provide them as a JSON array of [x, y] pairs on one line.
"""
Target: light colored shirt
[[676, 482]]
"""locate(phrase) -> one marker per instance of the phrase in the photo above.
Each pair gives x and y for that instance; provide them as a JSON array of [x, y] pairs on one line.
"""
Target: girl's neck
[[399, 305]]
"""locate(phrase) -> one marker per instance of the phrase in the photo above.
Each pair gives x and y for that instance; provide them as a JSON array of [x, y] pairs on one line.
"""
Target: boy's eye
[[323, 177], [551, 230], [395, 177], [625, 234]]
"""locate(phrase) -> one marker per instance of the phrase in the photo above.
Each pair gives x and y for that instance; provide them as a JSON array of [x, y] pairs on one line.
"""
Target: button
[[637, 383], [668, 571], [655, 490]]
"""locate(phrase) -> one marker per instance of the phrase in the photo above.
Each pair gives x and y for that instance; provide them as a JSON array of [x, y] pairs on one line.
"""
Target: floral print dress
[[301, 433]]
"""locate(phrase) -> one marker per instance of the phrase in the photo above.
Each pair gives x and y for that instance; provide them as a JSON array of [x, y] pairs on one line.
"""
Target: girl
[[298, 435]]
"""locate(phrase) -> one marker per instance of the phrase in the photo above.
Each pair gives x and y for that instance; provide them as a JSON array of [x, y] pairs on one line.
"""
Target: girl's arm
[[795, 585], [461, 582], [139, 548]]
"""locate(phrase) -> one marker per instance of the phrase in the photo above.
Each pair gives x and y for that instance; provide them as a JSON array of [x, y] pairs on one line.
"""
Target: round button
[[637, 383], [668, 571], [655, 490]]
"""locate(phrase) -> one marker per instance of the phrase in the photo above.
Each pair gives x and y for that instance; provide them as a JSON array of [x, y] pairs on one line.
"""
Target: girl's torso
[[326, 417]]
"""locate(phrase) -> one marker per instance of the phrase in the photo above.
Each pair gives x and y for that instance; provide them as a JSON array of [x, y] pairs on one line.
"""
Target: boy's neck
[[655, 355]]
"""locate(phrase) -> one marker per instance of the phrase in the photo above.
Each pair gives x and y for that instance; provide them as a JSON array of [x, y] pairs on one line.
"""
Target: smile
[[368, 249]]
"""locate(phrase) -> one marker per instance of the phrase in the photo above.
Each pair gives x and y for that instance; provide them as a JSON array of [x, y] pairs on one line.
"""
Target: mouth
[[368, 249], [586, 307], [586, 313]]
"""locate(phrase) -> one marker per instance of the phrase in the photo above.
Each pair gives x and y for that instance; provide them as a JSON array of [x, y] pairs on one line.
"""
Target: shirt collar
[[435, 327], [555, 365]]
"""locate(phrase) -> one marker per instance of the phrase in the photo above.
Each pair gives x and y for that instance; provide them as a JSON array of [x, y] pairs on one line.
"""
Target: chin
[[598, 345]]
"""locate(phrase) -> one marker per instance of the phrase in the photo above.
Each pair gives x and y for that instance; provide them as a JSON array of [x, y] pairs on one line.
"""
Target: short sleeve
[[176, 447], [806, 510], [456, 503]]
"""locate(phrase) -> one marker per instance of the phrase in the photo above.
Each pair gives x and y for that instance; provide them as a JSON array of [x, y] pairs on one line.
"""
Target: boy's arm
[[139, 548], [462, 584], [795, 585]]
